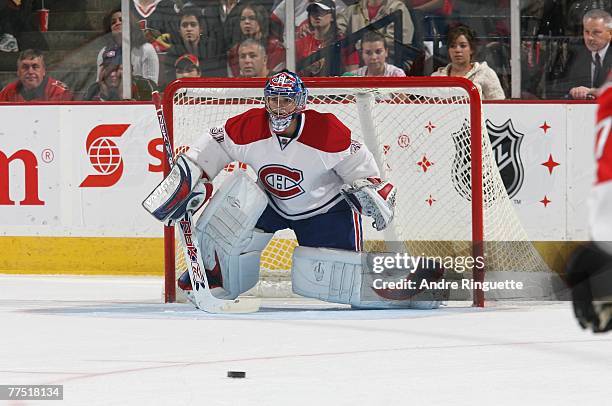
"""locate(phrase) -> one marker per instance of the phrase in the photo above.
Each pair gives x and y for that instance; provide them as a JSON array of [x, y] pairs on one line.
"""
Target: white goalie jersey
[[302, 175]]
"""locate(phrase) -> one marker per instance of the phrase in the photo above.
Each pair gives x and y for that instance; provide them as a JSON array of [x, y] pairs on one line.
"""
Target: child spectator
[[143, 57], [461, 51], [374, 53], [254, 23], [187, 66], [33, 83], [323, 32]]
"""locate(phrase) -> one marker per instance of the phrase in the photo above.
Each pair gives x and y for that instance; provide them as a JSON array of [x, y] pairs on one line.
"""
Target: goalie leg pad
[[338, 276], [227, 236]]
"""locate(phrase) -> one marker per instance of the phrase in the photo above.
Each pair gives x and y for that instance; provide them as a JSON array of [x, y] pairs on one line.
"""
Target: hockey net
[[426, 135]]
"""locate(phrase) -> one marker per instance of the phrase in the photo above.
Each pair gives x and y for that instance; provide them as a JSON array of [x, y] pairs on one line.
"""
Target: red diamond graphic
[[550, 164], [545, 201]]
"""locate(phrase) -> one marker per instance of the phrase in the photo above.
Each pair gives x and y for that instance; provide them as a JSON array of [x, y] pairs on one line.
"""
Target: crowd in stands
[[172, 39]]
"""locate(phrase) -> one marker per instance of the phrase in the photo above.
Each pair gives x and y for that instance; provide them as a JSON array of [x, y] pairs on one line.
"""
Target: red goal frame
[[347, 83]]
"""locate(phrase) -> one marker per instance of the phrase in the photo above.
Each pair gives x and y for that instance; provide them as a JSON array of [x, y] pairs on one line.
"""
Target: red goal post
[[189, 103]]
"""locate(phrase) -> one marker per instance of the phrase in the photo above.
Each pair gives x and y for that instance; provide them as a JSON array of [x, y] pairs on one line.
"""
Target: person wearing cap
[[323, 34], [252, 59], [109, 86], [255, 24], [187, 66], [192, 40], [33, 84], [143, 57]]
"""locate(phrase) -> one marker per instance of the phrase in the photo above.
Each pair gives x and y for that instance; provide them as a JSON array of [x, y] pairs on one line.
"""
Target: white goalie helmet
[[285, 97]]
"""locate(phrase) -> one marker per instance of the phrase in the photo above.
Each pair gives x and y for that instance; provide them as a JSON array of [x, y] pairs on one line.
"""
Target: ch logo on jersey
[[281, 181]]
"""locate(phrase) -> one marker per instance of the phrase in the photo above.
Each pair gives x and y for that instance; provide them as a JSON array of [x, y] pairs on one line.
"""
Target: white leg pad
[[227, 228], [337, 276]]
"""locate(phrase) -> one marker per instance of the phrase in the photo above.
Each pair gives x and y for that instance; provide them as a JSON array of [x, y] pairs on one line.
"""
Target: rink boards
[[73, 177]]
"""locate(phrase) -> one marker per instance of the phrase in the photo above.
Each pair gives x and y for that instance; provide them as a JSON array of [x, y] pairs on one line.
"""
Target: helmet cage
[[286, 85]]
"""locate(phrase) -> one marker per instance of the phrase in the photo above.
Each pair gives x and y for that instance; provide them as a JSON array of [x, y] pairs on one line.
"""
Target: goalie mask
[[285, 97]]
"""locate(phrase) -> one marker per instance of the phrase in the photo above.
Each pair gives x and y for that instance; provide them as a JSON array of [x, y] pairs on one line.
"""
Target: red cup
[[43, 19]]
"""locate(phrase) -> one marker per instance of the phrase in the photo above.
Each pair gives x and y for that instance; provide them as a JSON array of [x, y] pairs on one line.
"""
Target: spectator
[[143, 57], [230, 16], [323, 32], [576, 11], [187, 66], [364, 12], [374, 53], [461, 51], [254, 23], [212, 15], [33, 83], [591, 65], [157, 19], [109, 85], [302, 25], [252, 59], [192, 41]]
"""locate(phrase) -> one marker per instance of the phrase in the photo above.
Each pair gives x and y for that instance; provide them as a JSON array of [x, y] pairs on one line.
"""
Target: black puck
[[236, 374]]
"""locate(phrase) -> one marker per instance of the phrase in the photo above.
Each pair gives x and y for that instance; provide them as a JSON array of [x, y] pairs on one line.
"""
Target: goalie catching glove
[[181, 191], [372, 197]]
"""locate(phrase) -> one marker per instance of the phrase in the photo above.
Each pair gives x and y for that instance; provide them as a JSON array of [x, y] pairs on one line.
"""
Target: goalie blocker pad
[[338, 276], [179, 192], [372, 197], [227, 236]]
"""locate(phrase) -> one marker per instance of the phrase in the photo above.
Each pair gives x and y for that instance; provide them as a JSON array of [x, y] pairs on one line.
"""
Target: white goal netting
[[421, 137]]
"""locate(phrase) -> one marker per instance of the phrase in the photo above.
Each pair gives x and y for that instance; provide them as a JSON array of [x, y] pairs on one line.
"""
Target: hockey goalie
[[312, 178]]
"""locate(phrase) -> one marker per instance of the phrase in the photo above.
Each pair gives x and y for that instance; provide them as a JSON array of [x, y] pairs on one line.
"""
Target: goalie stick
[[203, 297]]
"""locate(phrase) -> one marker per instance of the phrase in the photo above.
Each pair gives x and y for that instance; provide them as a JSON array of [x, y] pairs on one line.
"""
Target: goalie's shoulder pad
[[180, 191], [372, 197]]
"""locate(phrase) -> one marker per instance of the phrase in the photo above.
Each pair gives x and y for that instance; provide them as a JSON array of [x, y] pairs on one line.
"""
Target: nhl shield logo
[[506, 144]]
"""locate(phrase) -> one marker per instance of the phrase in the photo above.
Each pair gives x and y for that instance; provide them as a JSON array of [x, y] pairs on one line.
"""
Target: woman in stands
[[255, 24], [144, 59], [461, 51]]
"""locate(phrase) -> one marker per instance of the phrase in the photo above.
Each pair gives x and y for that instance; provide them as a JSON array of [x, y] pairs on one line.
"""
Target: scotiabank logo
[[30, 164], [104, 155]]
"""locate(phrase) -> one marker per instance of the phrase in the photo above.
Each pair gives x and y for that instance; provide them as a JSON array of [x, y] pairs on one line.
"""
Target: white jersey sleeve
[[358, 163]]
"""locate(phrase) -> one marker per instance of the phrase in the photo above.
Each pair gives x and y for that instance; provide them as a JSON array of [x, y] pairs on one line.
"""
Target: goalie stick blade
[[203, 297], [236, 306]]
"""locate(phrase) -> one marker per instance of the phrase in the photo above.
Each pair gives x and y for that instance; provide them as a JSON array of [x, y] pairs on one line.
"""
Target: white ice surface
[[110, 341]]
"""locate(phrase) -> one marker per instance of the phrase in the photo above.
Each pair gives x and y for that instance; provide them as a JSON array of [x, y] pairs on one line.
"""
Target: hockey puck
[[236, 374]]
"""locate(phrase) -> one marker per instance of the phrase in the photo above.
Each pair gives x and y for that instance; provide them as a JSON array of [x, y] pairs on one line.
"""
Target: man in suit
[[591, 65]]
